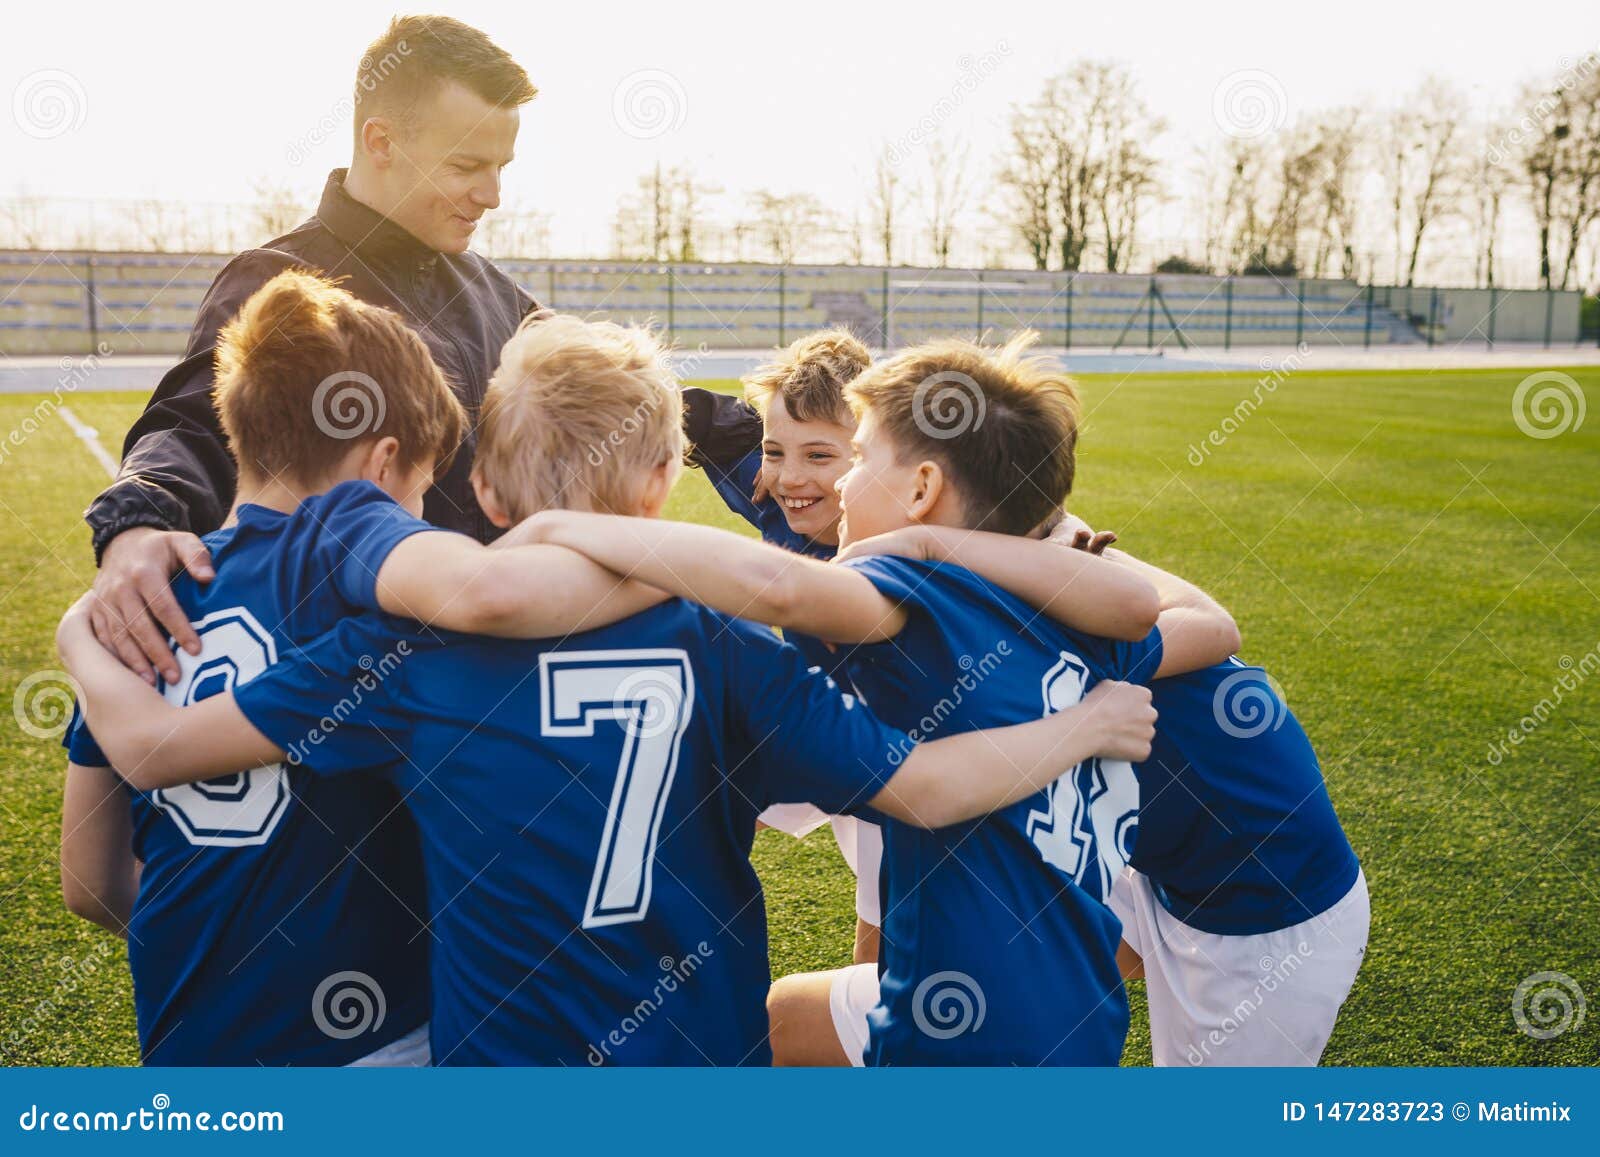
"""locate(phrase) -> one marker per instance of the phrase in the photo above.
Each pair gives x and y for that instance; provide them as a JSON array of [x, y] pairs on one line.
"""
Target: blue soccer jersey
[[279, 918], [587, 808], [1236, 830], [998, 947]]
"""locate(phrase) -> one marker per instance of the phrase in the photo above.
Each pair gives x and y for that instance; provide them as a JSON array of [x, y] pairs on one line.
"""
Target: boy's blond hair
[[305, 371], [1003, 425], [810, 376], [575, 415]]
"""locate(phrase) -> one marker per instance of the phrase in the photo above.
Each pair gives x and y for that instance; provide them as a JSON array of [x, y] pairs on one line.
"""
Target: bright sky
[[200, 100]]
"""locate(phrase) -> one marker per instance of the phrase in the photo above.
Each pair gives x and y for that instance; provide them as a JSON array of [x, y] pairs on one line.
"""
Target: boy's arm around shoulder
[[530, 591], [151, 742], [731, 573], [960, 777], [1076, 588], [1196, 630]]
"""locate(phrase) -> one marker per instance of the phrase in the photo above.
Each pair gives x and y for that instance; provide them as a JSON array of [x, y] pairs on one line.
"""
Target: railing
[[67, 303]]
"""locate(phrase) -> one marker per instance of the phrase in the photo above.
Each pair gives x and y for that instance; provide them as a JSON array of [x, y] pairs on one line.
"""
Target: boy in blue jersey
[[787, 488], [274, 917], [998, 945], [1243, 906], [784, 483], [586, 805]]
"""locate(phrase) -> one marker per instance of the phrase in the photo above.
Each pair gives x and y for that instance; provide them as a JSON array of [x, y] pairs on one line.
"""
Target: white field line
[[90, 437]]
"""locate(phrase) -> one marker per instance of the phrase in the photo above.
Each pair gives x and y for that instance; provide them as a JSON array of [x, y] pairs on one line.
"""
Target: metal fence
[[66, 303]]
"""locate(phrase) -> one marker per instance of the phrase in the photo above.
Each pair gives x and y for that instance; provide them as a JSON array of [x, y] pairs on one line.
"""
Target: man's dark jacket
[[177, 473]]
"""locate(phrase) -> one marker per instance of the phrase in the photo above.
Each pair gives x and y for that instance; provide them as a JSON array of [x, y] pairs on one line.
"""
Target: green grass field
[[1415, 571]]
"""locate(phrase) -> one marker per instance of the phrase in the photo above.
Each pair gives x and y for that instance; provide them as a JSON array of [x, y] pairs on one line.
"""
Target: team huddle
[[445, 748], [511, 790]]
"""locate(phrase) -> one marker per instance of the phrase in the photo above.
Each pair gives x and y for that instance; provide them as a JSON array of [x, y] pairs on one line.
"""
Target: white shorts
[[861, 845], [796, 819], [408, 1052], [1264, 999], [853, 994]]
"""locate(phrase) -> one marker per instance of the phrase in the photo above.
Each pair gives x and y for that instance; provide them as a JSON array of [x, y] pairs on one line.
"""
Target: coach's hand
[[132, 607]]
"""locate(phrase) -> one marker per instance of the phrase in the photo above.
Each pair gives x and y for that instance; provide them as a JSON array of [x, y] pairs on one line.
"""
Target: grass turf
[[1416, 572]]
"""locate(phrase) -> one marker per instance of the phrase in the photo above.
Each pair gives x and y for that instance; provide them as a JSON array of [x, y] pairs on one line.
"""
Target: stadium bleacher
[[145, 303]]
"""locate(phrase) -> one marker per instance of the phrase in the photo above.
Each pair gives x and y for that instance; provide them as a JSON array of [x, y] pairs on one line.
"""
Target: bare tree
[[1296, 174], [944, 196], [512, 231], [1489, 181], [642, 230], [1335, 192], [1067, 109], [1288, 202], [1127, 170], [1422, 166], [1563, 165], [23, 222], [657, 190], [1546, 162], [689, 207], [1079, 165], [785, 223], [1209, 181], [662, 219], [1244, 214], [855, 241], [274, 211], [154, 223], [885, 202], [1027, 181]]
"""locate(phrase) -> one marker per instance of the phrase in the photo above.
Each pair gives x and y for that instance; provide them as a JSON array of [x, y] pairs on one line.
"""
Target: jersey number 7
[[650, 694]]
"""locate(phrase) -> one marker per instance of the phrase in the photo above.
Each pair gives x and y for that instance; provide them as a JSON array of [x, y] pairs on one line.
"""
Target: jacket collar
[[369, 233]]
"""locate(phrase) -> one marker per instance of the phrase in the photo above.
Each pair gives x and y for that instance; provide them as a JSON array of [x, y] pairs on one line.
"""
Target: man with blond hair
[[436, 116]]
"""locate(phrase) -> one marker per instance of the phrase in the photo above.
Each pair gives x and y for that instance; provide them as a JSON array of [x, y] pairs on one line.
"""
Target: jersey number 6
[[651, 694]]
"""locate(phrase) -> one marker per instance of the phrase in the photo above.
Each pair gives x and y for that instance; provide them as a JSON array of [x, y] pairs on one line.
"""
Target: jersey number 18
[[1088, 826]]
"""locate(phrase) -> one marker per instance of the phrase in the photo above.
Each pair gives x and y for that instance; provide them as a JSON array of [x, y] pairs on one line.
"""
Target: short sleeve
[[80, 745], [354, 527], [895, 578], [1137, 662], [808, 742], [907, 584], [331, 704]]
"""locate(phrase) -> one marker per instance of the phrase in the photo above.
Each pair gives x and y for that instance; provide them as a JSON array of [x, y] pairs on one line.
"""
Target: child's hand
[[530, 531], [1075, 532], [1095, 542], [1127, 721], [915, 542]]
